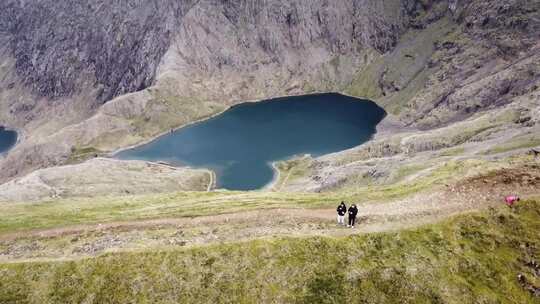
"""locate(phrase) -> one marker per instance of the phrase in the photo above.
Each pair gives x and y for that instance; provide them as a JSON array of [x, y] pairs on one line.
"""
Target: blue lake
[[240, 144], [8, 139]]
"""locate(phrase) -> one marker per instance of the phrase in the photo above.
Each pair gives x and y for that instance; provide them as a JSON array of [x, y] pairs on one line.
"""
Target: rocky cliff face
[[63, 47], [107, 74]]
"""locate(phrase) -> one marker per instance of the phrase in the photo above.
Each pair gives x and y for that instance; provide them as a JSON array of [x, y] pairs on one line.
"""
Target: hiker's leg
[[342, 220], [352, 221]]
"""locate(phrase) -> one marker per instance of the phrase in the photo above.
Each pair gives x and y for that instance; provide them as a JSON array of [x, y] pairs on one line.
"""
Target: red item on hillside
[[511, 200]]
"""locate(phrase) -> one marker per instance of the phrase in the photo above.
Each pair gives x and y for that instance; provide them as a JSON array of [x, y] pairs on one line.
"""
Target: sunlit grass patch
[[464, 259], [527, 141]]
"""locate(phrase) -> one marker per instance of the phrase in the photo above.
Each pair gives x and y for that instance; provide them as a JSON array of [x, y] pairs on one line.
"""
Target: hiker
[[341, 210], [353, 211], [510, 200]]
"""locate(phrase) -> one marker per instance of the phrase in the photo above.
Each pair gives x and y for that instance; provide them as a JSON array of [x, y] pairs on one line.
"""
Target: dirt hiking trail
[[90, 240]]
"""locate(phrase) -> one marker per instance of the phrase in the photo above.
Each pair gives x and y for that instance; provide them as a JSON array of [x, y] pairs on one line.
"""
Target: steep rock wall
[[63, 47]]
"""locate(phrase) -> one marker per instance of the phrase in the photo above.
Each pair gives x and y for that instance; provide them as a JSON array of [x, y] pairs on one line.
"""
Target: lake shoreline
[[343, 121], [10, 144], [275, 179], [172, 130], [387, 126]]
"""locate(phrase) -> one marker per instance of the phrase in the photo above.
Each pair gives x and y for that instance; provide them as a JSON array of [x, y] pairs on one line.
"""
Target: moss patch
[[81, 154], [292, 169], [522, 142]]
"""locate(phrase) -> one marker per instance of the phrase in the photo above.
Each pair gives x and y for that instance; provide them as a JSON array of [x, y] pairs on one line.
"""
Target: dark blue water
[[8, 139], [240, 144]]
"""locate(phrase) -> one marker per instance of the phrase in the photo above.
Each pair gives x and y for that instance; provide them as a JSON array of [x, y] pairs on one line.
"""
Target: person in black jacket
[[341, 210], [353, 211]]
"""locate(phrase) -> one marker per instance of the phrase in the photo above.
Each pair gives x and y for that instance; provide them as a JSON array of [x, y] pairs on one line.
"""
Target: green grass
[[164, 110], [446, 173], [75, 211], [80, 154], [528, 141], [472, 258], [293, 169], [463, 132], [453, 151], [407, 170], [67, 212]]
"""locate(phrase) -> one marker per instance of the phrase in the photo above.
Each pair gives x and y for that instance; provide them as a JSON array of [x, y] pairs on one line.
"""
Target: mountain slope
[[470, 258], [106, 75]]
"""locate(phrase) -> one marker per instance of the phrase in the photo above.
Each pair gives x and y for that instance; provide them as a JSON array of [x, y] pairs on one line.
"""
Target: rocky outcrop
[[478, 57]]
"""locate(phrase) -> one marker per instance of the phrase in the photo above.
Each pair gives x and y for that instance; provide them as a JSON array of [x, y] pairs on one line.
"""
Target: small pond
[[8, 139]]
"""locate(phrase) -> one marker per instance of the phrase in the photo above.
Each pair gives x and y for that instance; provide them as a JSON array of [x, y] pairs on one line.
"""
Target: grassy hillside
[[75, 211], [473, 258], [101, 209]]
